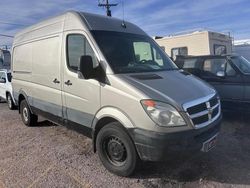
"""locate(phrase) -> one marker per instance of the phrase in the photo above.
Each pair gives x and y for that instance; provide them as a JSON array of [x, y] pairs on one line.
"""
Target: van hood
[[175, 87]]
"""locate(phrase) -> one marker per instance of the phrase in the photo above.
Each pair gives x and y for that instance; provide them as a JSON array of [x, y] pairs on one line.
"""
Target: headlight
[[163, 114]]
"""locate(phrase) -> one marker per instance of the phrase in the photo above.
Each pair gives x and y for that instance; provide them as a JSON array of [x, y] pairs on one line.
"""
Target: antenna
[[107, 6], [123, 21], [123, 10]]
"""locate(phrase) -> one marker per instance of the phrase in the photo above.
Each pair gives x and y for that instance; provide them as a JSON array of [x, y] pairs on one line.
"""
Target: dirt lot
[[53, 156]]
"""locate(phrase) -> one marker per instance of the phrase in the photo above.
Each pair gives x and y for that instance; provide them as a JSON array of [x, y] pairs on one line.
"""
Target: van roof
[[100, 22], [76, 20]]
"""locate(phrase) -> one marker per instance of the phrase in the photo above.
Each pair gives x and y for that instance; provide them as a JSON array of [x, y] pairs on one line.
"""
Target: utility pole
[[107, 6]]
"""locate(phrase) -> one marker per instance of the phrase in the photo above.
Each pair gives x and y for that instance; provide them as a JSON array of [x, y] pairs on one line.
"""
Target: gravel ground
[[53, 156]]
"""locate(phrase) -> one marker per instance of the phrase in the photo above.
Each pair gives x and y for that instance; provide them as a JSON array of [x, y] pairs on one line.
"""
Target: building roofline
[[189, 33]]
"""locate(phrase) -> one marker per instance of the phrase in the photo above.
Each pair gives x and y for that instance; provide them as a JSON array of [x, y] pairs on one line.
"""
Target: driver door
[[81, 97], [226, 80]]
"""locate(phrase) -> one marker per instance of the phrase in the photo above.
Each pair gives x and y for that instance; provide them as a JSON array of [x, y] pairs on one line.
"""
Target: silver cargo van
[[109, 80]]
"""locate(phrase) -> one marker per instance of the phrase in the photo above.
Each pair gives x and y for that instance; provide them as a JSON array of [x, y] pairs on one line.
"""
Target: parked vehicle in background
[[201, 42], [229, 74], [5, 59], [6, 88], [96, 74], [242, 48]]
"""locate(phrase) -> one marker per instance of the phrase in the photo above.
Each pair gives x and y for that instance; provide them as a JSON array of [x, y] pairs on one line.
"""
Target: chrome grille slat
[[203, 112], [199, 114], [209, 111]]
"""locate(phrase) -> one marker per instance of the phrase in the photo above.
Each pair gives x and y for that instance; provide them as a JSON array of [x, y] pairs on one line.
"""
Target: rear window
[[189, 63], [179, 51], [220, 49]]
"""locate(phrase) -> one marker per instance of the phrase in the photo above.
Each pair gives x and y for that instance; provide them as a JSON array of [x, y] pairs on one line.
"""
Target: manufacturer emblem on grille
[[210, 111]]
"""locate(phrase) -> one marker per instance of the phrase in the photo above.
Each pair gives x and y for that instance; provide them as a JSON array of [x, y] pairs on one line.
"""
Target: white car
[[6, 88]]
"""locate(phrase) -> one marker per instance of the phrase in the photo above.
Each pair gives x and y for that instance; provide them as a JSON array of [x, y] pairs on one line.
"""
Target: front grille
[[213, 101], [203, 111], [197, 108], [215, 112], [200, 119]]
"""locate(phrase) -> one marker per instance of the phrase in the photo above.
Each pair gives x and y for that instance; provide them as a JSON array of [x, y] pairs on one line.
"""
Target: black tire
[[10, 102], [28, 118], [124, 157]]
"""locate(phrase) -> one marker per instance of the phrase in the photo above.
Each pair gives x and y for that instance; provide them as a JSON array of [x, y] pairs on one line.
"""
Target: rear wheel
[[10, 102], [116, 150], [28, 118]]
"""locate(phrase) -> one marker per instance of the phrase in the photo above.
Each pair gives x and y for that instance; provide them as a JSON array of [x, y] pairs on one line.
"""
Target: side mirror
[[86, 67], [2, 81], [221, 74]]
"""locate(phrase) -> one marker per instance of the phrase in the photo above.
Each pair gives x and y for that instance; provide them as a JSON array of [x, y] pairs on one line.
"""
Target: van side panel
[[45, 73], [22, 70]]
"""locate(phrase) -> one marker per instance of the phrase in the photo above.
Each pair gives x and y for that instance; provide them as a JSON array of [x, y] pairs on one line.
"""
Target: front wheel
[[116, 150], [28, 118], [10, 102]]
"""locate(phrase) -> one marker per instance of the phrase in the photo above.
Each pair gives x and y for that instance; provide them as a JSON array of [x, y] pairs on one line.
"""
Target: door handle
[[56, 81], [68, 83]]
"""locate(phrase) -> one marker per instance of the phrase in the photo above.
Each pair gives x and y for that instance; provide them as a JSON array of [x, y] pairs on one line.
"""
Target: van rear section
[[109, 80]]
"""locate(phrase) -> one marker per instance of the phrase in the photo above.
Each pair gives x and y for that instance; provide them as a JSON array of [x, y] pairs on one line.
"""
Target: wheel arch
[[107, 115], [22, 96]]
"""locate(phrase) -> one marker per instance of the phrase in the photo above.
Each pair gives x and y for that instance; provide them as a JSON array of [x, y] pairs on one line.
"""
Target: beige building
[[196, 43]]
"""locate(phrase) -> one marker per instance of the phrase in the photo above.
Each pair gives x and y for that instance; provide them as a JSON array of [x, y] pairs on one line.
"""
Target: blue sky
[[156, 17]]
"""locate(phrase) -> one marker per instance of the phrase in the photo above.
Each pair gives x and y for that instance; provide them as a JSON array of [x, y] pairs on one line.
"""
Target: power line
[[9, 23], [9, 36], [107, 5]]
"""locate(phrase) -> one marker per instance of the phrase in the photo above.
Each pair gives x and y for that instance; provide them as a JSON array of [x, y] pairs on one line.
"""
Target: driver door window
[[77, 46], [212, 67], [220, 74]]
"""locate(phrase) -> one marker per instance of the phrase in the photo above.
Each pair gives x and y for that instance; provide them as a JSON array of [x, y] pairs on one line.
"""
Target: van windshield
[[131, 53]]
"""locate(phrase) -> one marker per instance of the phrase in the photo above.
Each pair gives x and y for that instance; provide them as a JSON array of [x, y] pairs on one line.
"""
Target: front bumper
[[154, 146]]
